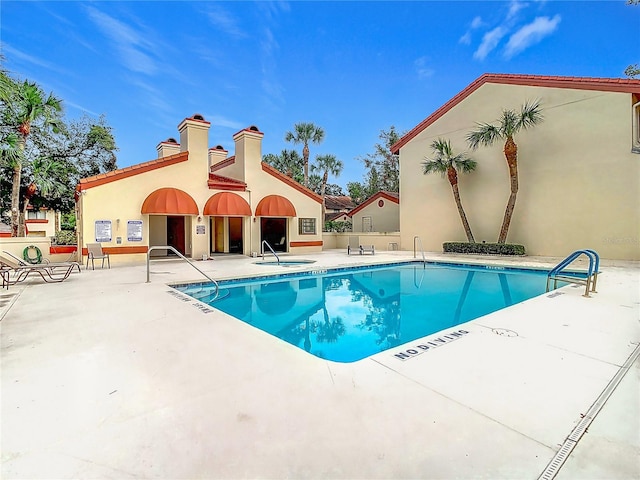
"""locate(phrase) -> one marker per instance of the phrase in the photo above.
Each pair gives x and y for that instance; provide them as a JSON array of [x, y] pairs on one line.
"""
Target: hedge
[[486, 248]]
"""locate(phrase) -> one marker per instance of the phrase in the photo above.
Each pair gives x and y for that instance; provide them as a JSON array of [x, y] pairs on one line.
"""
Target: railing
[[424, 261], [168, 247], [588, 278], [264, 242]]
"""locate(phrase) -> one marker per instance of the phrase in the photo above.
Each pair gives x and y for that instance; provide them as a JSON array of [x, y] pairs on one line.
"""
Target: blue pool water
[[349, 314]]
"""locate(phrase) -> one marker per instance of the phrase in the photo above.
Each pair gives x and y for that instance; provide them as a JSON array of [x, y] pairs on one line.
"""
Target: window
[[36, 214], [307, 226]]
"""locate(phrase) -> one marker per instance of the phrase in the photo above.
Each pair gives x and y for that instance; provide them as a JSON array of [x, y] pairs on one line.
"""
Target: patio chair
[[95, 252], [45, 262], [13, 272], [354, 244]]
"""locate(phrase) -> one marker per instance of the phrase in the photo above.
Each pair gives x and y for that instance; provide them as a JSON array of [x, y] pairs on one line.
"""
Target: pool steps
[[589, 278]]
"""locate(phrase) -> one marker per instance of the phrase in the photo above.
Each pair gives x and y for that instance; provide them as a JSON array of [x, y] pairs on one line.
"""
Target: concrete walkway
[[106, 376]]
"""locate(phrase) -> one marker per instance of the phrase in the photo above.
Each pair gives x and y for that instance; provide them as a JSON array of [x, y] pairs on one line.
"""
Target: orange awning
[[227, 204], [275, 206], [170, 201]]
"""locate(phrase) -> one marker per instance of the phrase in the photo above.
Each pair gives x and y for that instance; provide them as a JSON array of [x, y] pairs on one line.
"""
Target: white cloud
[[531, 34], [224, 21], [423, 70], [490, 41], [515, 7], [134, 48], [477, 22]]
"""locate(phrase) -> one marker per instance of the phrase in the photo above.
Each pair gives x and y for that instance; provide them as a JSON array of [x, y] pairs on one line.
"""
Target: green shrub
[[65, 237], [485, 248]]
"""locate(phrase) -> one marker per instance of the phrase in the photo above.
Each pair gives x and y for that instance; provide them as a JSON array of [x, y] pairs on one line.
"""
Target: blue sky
[[353, 68]]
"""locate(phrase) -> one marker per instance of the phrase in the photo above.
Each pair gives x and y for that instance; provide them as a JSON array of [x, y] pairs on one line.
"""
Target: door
[[235, 235], [219, 234], [175, 233]]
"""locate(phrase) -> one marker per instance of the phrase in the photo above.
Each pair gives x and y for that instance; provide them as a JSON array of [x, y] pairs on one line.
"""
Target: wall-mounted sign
[[134, 230], [200, 230], [103, 231]]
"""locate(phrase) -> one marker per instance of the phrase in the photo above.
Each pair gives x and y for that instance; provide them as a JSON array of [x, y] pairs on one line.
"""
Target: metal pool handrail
[[168, 247], [590, 276], [264, 242], [424, 261]]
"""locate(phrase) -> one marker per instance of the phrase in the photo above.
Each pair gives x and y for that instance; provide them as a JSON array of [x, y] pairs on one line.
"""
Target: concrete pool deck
[[106, 376]]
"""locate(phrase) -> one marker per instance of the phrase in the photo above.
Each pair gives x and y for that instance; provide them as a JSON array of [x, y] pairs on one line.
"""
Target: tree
[[326, 164], [303, 133], [382, 169], [446, 163], [510, 123], [25, 105], [288, 162], [632, 71]]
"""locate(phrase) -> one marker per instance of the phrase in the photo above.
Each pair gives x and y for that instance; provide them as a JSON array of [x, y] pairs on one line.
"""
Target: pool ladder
[[262, 245], [589, 278], [168, 247], [419, 240]]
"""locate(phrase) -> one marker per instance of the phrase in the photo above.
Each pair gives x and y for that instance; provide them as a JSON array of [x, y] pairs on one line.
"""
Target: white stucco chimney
[[167, 148], [194, 136], [248, 150], [217, 154]]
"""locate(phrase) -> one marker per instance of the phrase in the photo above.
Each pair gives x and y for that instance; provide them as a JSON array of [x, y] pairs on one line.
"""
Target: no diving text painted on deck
[[185, 298], [431, 344]]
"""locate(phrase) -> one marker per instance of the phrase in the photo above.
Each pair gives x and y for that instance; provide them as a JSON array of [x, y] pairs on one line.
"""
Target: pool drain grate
[[576, 434]]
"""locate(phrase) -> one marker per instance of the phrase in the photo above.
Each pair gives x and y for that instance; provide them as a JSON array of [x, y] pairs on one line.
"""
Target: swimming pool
[[348, 314]]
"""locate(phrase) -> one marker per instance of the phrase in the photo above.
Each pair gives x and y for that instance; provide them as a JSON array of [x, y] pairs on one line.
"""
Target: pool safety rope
[[30, 259]]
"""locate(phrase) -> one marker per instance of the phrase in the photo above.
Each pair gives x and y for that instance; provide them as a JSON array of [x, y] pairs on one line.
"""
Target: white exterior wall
[[578, 178]]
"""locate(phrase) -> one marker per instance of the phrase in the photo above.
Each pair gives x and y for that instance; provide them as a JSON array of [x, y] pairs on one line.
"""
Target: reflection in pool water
[[351, 314]]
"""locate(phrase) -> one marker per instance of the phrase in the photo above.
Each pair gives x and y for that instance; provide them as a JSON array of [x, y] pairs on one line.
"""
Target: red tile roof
[[218, 182], [624, 85], [291, 182], [391, 196], [121, 173]]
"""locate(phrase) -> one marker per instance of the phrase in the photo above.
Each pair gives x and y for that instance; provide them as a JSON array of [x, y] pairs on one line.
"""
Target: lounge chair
[[13, 272], [355, 245], [95, 252], [46, 262]]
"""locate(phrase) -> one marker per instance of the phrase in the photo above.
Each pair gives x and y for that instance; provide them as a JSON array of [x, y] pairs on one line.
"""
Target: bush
[[486, 248], [65, 237]]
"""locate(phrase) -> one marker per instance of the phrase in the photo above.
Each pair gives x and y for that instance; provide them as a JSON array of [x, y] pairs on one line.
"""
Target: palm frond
[[485, 134]]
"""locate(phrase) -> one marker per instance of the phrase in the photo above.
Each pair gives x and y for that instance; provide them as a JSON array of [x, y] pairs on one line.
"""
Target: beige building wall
[[42, 227], [120, 201], [578, 177], [383, 219]]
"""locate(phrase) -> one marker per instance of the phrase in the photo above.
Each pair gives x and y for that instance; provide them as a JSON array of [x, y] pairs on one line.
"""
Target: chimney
[[248, 150], [167, 148], [216, 154], [194, 135]]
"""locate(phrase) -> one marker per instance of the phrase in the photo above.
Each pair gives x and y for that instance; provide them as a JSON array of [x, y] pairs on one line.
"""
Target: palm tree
[[288, 162], [445, 162], [326, 164], [508, 125], [28, 104], [303, 133]]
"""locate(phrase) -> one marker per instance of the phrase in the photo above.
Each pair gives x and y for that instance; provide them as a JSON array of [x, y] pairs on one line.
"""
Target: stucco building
[[199, 200], [378, 213], [579, 170]]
